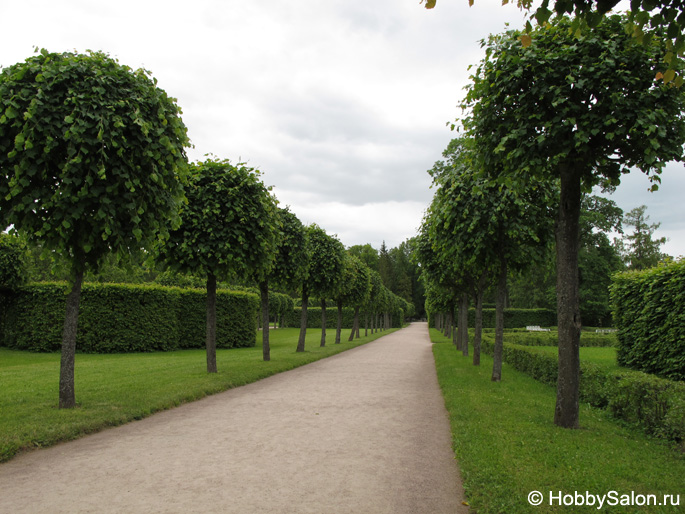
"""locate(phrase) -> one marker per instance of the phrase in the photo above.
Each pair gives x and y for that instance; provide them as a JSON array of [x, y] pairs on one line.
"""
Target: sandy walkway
[[365, 431]]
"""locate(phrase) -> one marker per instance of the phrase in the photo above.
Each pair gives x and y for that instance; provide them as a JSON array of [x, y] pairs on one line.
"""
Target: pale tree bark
[[211, 323], [323, 322], [67, 394], [303, 319], [264, 291], [566, 412], [499, 322]]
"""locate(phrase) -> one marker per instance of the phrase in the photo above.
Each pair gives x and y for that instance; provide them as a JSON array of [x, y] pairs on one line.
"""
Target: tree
[[581, 110], [92, 159], [598, 259], [324, 275], [385, 266], [667, 16], [228, 226], [483, 228], [367, 253], [290, 263], [641, 250], [354, 291]]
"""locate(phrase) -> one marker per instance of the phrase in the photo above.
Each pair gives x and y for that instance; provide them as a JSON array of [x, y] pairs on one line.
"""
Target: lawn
[[117, 388], [604, 356], [507, 446]]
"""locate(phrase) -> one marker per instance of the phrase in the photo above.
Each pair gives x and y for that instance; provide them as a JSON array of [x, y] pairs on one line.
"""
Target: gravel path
[[365, 431]]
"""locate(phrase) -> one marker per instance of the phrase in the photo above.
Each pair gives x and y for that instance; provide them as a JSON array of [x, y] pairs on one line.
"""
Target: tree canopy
[[666, 16], [92, 156]]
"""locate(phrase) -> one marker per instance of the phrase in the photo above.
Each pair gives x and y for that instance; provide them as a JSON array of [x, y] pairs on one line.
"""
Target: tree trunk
[[211, 323], [338, 328], [323, 322], [568, 311], [366, 324], [478, 331], [499, 322], [264, 291], [67, 395], [464, 324], [303, 319], [355, 325]]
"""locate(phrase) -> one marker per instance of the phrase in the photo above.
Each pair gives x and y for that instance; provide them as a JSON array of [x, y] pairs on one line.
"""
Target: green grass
[[115, 389], [604, 356], [507, 445]]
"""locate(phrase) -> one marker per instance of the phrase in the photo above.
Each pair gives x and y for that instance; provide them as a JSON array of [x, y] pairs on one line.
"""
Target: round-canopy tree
[[91, 162], [582, 110], [228, 226], [290, 266], [324, 275]]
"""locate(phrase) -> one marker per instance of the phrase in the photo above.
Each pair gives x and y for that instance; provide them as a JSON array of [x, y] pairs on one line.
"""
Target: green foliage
[[13, 261], [665, 16], [292, 258], [641, 251], [356, 283], [654, 404], [513, 318], [589, 101], [92, 156], [326, 255], [649, 313], [127, 318], [587, 339], [228, 224]]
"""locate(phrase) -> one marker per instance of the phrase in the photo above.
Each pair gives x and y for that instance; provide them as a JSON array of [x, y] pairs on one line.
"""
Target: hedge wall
[[655, 404], [513, 318], [117, 318], [649, 313], [552, 338], [292, 318]]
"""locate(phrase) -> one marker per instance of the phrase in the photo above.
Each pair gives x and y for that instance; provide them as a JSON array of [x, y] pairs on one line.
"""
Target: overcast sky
[[342, 104]]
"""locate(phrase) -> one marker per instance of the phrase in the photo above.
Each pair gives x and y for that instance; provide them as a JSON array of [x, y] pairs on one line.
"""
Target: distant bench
[[536, 328], [606, 330]]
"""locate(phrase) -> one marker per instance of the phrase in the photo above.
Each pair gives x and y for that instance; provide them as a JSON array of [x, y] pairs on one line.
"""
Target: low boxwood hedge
[[588, 339], [654, 404], [513, 318], [116, 318]]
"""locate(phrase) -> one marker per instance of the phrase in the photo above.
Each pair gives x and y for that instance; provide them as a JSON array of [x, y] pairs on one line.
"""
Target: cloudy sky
[[342, 104]]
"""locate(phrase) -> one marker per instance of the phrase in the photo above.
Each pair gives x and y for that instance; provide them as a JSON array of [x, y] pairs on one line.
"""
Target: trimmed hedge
[[513, 318], [292, 318], [649, 313], [587, 339], [655, 404], [116, 318]]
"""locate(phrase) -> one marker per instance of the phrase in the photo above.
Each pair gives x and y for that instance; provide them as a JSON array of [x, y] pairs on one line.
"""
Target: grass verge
[[117, 388], [507, 446]]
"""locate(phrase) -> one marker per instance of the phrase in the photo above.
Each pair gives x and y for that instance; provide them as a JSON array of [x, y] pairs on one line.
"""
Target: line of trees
[[544, 123], [93, 171]]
